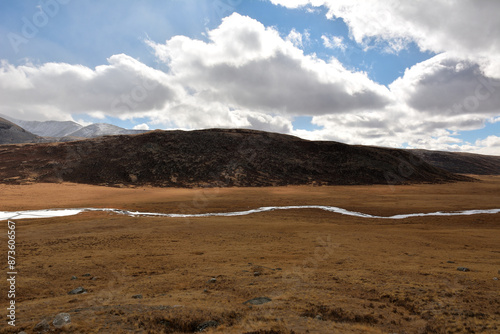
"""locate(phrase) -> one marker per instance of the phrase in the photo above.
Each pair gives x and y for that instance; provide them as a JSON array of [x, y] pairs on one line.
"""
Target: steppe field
[[320, 272]]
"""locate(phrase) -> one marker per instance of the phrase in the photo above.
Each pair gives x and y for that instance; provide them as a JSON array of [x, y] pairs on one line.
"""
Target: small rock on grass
[[463, 269], [207, 324], [212, 280], [137, 296], [77, 291], [61, 319], [74, 277], [258, 301], [41, 327]]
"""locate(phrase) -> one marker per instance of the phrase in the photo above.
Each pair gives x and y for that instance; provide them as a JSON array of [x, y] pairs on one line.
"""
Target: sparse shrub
[[338, 315], [271, 331], [181, 320]]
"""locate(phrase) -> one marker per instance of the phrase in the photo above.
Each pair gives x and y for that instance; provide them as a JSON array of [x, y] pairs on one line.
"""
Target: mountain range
[[193, 158], [11, 133], [68, 130], [54, 129], [215, 157]]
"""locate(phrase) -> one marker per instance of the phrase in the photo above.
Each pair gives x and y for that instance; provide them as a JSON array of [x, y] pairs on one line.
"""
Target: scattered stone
[[427, 315], [61, 319], [257, 273], [450, 261], [74, 277], [463, 269], [41, 327], [258, 301], [205, 290], [77, 291], [86, 275], [278, 269], [212, 280], [137, 296], [94, 278], [495, 278], [318, 317], [207, 324], [23, 332]]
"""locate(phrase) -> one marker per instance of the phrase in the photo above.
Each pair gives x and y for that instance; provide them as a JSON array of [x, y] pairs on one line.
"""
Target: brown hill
[[462, 163], [213, 158], [10, 133]]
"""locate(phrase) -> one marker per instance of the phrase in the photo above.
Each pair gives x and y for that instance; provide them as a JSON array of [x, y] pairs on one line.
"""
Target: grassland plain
[[324, 272]]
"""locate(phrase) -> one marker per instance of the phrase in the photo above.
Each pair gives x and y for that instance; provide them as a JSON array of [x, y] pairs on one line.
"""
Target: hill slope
[[463, 163], [10, 133], [213, 158]]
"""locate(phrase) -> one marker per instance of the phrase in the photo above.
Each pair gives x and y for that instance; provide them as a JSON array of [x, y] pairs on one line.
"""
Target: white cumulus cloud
[[248, 66], [469, 28], [449, 86], [142, 126], [246, 75], [333, 42], [295, 38], [54, 90]]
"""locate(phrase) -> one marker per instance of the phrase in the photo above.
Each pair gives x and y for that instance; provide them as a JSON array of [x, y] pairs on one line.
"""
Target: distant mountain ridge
[[49, 128], [66, 130], [461, 162], [103, 129], [11, 133]]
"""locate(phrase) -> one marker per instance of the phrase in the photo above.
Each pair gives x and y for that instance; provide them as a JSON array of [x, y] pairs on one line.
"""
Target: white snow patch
[[49, 213]]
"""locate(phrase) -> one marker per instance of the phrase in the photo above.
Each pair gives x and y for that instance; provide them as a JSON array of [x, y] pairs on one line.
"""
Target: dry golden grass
[[324, 272]]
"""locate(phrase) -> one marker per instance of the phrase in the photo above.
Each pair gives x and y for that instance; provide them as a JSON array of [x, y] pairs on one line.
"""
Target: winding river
[[49, 213]]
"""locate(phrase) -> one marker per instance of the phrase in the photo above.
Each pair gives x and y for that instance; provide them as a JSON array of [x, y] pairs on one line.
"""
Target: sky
[[407, 74]]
